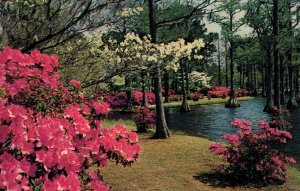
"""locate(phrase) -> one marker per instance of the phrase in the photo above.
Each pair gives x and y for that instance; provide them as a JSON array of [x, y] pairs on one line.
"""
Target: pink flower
[[132, 137], [217, 148], [76, 84], [291, 160], [100, 108]]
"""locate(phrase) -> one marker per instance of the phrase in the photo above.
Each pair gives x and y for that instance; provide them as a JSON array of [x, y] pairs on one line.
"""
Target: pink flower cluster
[[144, 119], [120, 99], [256, 155], [138, 97], [50, 136], [116, 101], [171, 92], [218, 92], [197, 95]]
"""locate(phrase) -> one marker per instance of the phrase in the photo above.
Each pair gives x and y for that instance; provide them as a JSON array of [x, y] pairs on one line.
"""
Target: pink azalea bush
[[255, 155], [150, 98], [119, 100], [171, 92], [197, 95], [144, 119], [137, 97], [116, 101], [218, 92], [50, 135]]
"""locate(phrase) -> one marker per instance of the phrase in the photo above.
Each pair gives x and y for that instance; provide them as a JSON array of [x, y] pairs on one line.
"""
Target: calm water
[[213, 121]]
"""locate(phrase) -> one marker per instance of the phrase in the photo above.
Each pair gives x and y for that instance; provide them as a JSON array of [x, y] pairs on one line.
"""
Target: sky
[[214, 27]]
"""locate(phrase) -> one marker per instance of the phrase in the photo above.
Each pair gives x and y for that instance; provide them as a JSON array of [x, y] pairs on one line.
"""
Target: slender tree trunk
[[297, 87], [167, 87], [255, 81], [240, 83], [219, 63], [282, 72], [162, 130], [292, 103], [176, 84], [269, 76], [129, 102], [226, 64], [276, 55], [243, 81], [184, 106], [187, 81], [263, 82], [232, 102], [251, 80], [144, 101]]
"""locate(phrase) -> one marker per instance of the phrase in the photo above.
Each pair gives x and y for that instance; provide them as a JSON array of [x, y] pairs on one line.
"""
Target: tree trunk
[[162, 130], [282, 72], [263, 81], [297, 85], [292, 103], [255, 81], [240, 79], [129, 103], [243, 81], [219, 63], [226, 65], [187, 81], [167, 87], [232, 102], [276, 55], [144, 101], [176, 84], [269, 76], [185, 106]]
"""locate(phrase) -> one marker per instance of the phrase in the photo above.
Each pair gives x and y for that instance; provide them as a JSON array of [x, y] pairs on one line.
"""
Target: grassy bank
[[179, 163], [204, 101]]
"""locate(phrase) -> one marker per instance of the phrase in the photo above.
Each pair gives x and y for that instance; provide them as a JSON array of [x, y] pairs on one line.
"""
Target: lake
[[213, 121]]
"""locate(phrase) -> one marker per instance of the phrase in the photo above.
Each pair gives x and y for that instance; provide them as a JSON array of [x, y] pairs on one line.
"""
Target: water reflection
[[213, 121]]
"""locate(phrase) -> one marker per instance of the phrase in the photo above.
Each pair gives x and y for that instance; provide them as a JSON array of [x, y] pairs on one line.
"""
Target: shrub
[[150, 98], [144, 119], [119, 100], [171, 92], [240, 93], [196, 96], [255, 156], [137, 97], [50, 135], [116, 101], [218, 92]]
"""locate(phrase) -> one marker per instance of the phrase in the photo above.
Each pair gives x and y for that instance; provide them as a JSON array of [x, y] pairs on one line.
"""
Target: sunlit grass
[[175, 164], [129, 124]]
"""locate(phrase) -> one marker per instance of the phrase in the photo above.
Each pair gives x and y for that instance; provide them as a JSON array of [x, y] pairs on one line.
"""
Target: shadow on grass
[[220, 179]]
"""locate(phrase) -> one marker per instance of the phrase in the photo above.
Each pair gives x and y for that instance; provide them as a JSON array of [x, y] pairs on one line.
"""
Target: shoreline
[[204, 101]]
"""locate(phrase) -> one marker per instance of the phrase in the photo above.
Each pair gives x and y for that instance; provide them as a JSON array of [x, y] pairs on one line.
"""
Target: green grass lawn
[[180, 163], [204, 101]]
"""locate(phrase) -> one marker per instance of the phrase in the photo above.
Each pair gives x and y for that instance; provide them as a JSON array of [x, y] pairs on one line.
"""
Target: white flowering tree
[[200, 79]]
